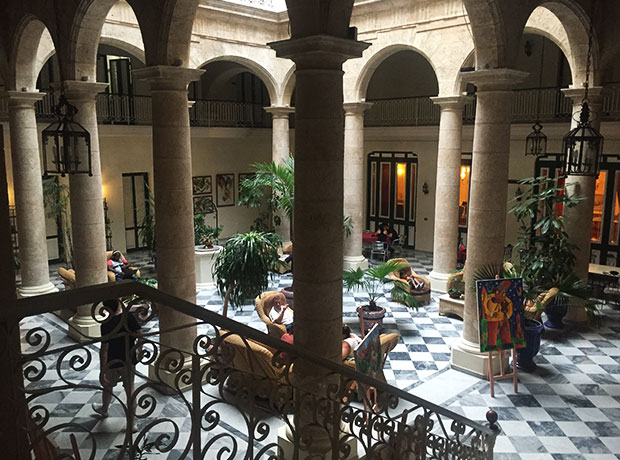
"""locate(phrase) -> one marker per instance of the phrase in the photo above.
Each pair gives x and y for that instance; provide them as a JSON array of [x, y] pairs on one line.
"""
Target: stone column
[[28, 194], [280, 150], [174, 215], [446, 230], [87, 219], [318, 214], [354, 182], [578, 223], [488, 199], [13, 407]]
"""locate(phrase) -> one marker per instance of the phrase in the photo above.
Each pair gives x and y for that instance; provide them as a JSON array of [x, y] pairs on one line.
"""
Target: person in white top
[[281, 313], [349, 342]]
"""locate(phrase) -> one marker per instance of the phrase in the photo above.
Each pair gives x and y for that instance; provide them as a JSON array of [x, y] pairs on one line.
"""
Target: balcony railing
[[245, 395], [413, 111]]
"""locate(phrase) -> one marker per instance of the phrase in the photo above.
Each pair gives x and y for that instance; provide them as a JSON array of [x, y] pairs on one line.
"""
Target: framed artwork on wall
[[243, 176], [225, 189], [203, 204], [202, 185]]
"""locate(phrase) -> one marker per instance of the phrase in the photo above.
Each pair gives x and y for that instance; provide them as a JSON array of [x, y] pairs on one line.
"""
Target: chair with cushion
[[111, 276], [248, 356], [264, 303], [422, 295], [388, 342], [67, 275]]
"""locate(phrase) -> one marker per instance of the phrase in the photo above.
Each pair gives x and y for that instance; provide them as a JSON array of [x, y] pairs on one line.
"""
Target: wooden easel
[[502, 375]]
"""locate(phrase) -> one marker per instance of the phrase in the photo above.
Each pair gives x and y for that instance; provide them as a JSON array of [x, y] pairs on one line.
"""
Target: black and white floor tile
[[569, 408]]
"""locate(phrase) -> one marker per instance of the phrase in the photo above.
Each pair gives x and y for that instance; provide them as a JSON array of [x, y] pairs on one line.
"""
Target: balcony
[[235, 392]]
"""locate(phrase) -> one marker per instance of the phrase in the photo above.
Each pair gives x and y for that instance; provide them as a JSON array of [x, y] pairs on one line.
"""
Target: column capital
[[576, 94], [282, 111], [23, 98], [451, 102], [356, 108], [79, 90], [168, 78], [319, 51], [495, 79]]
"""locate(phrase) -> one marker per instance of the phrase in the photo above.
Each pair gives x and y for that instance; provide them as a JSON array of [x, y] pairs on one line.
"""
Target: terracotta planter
[[371, 317]]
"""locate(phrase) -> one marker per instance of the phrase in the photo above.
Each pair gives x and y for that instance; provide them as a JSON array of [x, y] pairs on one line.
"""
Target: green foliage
[[545, 255], [241, 269], [271, 183], [372, 280], [347, 226], [203, 233], [57, 206], [147, 225]]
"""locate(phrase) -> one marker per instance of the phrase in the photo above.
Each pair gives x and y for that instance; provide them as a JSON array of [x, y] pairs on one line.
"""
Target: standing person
[[113, 358]]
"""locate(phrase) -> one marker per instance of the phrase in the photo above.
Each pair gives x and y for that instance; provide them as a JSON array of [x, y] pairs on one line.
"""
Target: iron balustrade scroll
[[247, 395]]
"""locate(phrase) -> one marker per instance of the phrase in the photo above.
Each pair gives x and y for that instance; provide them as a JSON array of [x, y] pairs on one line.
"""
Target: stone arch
[[566, 24], [363, 79], [488, 33], [32, 47], [288, 86], [460, 83], [86, 33], [254, 67], [130, 48]]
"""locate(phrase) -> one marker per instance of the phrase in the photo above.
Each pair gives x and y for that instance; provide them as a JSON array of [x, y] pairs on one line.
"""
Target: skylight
[[269, 5]]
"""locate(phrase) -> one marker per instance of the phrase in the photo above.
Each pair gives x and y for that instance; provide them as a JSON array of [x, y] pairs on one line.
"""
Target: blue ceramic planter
[[556, 311], [525, 356]]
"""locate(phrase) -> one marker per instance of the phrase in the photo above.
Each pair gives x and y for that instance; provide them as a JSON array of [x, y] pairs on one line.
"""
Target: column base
[[31, 291], [466, 357], [83, 328], [288, 446], [354, 262], [439, 281]]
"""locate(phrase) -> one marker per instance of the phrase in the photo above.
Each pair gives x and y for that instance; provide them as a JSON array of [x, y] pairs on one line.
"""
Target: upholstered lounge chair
[[423, 296], [263, 304], [388, 342], [67, 275]]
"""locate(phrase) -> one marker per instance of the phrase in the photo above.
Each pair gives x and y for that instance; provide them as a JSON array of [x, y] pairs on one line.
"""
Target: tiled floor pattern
[[569, 408]]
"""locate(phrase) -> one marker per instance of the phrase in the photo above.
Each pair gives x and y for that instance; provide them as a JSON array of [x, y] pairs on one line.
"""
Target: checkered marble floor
[[569, 408]]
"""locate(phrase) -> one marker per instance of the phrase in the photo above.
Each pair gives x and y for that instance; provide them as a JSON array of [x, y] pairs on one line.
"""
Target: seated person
[[413, 283], [349, 342], [387, 235], [280, 312], [119, 266]]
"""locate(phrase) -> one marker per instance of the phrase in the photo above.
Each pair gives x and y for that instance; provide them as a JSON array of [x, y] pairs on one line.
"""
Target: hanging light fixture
[[536, 141], [66, 144], [583, 145]]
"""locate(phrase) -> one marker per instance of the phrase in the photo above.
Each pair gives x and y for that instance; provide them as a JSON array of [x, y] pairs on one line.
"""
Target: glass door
[[136, 207], [392, 182], [464, 187]]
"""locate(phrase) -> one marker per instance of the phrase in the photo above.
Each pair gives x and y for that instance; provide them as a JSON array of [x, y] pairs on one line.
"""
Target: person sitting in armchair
[[118, 265], [415, 284], [280, 313]]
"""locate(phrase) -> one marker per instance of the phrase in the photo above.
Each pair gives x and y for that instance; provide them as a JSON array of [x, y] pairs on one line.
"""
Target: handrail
[[211, 363]]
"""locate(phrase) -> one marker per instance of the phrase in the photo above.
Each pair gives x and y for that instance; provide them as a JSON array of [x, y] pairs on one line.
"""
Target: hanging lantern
[[536, 141], [583, 147], [66, 144]]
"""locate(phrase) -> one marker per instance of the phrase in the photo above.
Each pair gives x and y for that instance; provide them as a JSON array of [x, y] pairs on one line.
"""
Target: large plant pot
[[288, 293], [556, 311], [371, 318], [525, 356]]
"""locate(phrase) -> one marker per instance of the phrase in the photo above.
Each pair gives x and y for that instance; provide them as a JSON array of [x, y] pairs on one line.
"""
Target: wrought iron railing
[[236, 393]]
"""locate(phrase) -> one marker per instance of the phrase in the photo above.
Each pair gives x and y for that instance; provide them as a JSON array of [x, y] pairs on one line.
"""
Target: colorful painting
[[368, 355], [202, 185], [500, 306], [225, 188], [203, 204]]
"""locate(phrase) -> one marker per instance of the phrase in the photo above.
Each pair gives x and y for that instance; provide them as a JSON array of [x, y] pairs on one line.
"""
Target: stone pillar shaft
[[172, 171], [578, 223], [354, 182], [28, 190], [318, 213], [446, 228], [280, 150], [488, 199]]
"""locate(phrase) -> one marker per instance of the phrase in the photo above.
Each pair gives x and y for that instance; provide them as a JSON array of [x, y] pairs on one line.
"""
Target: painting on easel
[[500, 308]]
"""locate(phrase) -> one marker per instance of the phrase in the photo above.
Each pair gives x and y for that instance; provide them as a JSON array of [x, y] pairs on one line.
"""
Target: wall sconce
[[425, 188]]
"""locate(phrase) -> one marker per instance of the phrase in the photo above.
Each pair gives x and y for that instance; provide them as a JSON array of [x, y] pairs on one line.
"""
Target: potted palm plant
[[241, 269], [373, 280]]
